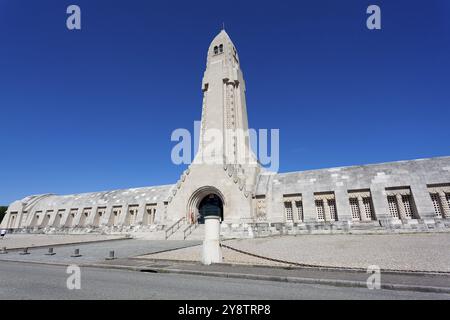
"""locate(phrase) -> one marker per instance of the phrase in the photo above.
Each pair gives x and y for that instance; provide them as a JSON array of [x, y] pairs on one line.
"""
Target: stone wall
[[407, 195]]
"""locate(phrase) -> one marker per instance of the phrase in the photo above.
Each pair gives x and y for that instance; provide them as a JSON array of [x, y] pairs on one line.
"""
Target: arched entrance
[[205, 201], [211, 205]]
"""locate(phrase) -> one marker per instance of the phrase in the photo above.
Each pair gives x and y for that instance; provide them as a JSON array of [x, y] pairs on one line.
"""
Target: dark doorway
[[211, 205]]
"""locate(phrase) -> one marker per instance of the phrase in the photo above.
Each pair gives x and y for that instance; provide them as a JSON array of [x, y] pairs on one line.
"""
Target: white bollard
[[212, 252]]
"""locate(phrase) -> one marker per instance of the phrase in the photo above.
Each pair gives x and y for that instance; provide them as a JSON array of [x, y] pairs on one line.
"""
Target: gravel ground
[[427, 252], [195, 254]]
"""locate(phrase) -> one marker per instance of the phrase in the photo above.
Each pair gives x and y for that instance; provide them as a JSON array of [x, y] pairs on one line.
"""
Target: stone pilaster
[[64, 217], [362, 209], [90, 219], [51, 222], [421, 201], [401, 208], [123, 215], [77, 218], [326, 210], [380, 204], [104, 221], [140, 214], [444, 205], [19, 219], [294, 212], [343, 210], [309, 207], [30, 218]]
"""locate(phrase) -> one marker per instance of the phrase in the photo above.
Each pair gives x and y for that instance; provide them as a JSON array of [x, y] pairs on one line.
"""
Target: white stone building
[[228, 181]]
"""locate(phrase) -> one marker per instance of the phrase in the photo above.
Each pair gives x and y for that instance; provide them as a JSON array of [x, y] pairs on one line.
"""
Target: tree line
[[2, 212]]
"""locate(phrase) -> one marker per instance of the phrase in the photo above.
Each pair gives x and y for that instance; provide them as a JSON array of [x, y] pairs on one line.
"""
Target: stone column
[[309, 207], [326, 209], [152, 217], [19, 219], [380, 204], [41, 218], [401, 207], [104, 221], [123, 215], [444, 205], [58, 219], [139, 219], [212, 252], [362, 209], [421, 201], [294, 212], [51, 222], [158, 216], [90, 219], [77, 218], [274, 203], [343, 210], [65, 215], [30, 218]]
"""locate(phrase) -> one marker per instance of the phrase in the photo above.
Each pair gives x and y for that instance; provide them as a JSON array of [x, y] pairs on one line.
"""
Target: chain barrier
[[305, 265]]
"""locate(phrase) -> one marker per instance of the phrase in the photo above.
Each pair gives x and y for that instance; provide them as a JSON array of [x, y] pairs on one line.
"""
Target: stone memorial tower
[[224, 171]]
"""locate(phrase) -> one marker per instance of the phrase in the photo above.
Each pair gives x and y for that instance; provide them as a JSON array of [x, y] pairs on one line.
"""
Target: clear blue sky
[[94, 109]]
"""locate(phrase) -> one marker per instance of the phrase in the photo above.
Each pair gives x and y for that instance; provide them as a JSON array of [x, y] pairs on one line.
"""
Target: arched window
[[216, 50], [221, 48]]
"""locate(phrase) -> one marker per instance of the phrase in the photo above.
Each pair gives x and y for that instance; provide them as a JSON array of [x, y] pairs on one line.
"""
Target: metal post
[[111, 255], [50, 252], [76, 253]]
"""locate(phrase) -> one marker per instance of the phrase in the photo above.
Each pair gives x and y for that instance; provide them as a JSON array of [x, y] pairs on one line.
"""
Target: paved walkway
[[96, 252], [420, 252], [15, 241]]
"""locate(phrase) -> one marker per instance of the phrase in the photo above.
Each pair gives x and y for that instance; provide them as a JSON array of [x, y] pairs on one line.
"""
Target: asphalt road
[[33, 281]]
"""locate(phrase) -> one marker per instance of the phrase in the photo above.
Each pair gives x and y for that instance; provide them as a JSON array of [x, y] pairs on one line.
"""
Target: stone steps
[[197, 234]]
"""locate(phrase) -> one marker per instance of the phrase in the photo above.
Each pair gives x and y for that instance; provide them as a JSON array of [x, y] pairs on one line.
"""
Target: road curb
[[248, 276], [332, 282], [290, 267]]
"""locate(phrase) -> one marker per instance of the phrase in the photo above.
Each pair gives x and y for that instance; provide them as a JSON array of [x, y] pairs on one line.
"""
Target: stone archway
[[205, 200], [211, 205]]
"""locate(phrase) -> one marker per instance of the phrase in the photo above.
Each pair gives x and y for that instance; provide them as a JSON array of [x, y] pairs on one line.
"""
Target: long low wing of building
[[402, 193], [111, 208]]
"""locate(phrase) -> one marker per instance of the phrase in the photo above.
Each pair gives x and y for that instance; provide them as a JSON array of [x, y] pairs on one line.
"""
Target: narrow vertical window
[[436, 204], [320, 210], [355, 209], [299, 207], [288, 211], [393, 209], [406, 199], [333, 211], [368, 208]]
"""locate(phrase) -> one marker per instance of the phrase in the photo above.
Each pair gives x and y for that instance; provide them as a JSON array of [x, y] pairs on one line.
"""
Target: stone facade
[[411, 195]]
